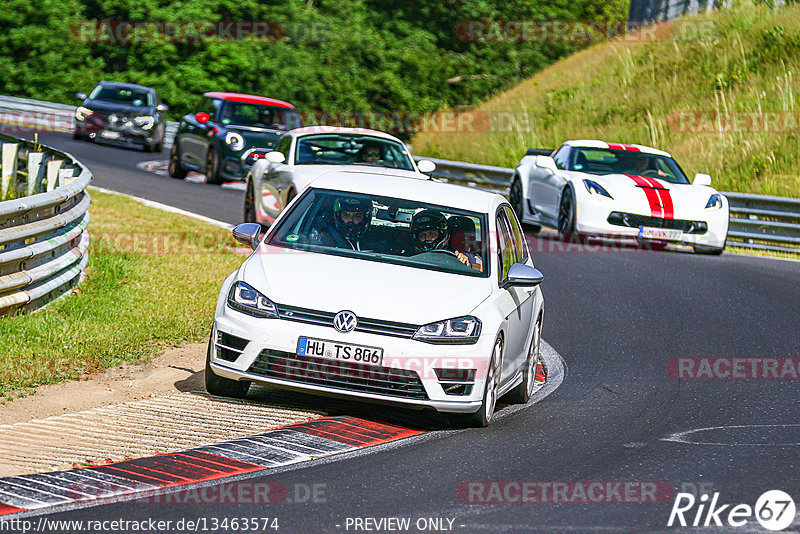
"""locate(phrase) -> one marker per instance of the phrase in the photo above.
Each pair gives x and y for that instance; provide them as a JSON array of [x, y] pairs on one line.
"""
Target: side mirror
[[202, 117], [546, 162], [248, 233], [80, 96], [162, 108], [701, 179], [425, 166], [522, 275], [275, 157]]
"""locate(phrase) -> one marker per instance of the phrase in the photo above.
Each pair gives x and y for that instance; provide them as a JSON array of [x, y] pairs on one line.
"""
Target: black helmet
[[352, 230], [429, 220]]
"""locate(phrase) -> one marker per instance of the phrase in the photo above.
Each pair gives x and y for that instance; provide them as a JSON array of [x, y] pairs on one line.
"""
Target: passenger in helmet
[[430, 231], [351, 224]]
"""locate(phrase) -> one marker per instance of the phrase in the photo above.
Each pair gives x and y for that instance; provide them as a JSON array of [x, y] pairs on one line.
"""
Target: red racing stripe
[[631, 148], [652, 196], [614, 146], [665, 196]]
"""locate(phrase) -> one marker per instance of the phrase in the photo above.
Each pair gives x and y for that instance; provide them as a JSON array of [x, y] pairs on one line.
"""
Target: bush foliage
[[334, 55]]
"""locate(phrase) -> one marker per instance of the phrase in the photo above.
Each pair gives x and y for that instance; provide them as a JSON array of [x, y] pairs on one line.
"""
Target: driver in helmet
[[351, 223], [430, 232]]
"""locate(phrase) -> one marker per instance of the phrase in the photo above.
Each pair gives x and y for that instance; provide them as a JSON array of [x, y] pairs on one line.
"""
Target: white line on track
[[165, 207]]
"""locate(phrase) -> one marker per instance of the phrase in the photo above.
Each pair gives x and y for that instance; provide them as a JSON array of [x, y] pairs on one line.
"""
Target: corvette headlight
[[81, 113], [145, 122], [234, 140], [596, 189], [244, 298], [714, 202], [459, 330]]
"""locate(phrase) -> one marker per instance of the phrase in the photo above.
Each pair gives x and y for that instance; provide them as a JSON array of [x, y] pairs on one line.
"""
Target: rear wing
[[539, 152]]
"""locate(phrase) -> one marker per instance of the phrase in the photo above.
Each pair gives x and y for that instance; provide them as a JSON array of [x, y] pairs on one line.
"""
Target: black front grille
[[632, 220], [347, 376], [230, 347], [371, 326]]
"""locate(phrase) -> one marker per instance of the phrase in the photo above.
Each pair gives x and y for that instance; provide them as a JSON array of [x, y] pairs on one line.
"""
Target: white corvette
[[358, 289], [606, 189], [304, 153]]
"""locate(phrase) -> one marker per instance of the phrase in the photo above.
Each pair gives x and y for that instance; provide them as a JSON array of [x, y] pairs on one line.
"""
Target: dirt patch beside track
[[178, 369]]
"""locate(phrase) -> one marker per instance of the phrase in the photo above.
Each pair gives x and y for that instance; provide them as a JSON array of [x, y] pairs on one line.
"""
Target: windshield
[[352, 149], [608, 161], [386, 230], [122, 95], [258, 116]]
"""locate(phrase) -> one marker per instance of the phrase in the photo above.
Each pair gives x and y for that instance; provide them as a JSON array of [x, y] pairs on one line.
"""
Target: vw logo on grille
[[345, 321]]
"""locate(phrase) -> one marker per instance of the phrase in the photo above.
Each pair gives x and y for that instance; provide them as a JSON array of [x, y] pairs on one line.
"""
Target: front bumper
[[403, 355], [595, 217], [124, 136]]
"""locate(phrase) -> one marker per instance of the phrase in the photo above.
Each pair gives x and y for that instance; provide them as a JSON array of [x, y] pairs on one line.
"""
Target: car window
[[352, 149], [384, 229], [520, 247], [505, 246], [561, 158], [122, 95], [255, 115], [610, 161]]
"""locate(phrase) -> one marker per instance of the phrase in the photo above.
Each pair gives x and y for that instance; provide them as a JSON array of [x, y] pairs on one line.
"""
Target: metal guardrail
[[43, 238], [756, 221]]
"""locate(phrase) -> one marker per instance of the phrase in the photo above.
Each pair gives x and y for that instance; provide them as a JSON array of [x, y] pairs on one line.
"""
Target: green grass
[[152, 282], [742, 60]]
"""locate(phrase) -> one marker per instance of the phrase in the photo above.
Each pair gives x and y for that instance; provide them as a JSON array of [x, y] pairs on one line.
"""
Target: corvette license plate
[[664, 234], [105, 134], [334, 350]]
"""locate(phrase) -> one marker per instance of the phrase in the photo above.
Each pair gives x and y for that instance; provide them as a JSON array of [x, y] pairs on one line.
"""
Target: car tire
[[249, 203], [175, 169], [77, 136], [516, 198], [159, 147], [212, 167], [223, 387], [708, 251], [566, 216], [485, 413], [522, 392]]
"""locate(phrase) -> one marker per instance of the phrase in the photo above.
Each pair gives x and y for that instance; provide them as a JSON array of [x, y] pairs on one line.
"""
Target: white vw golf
[[384, 288]]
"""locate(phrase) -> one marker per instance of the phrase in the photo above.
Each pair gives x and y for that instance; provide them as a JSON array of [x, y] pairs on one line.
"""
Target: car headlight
[[714, 201], [235, 140], [244, 298], [596, 189], [458, 330], [145, 122], [81, 113]]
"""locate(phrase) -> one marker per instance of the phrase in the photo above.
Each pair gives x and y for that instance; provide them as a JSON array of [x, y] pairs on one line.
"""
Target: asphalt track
[[616, 317]]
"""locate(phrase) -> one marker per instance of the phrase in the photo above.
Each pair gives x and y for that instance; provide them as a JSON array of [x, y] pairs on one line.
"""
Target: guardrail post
[[65, 176], [34, 168], [9, 167], [53, 168]]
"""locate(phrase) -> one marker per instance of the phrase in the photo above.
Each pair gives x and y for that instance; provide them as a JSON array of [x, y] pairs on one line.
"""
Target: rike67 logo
[[774, 510]]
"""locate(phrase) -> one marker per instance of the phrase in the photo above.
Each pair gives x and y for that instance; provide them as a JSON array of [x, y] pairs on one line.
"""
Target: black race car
[[122, 113]]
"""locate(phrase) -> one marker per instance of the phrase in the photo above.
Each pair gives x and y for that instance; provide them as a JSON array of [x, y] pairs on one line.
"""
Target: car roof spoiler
[[539, 152]]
